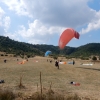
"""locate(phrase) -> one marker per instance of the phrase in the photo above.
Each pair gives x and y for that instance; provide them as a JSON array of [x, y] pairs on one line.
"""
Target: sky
[[43, 21]]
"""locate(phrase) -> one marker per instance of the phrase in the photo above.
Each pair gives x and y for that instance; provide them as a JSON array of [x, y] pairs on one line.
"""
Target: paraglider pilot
[[73, 62], [57, 64], [5, 61]]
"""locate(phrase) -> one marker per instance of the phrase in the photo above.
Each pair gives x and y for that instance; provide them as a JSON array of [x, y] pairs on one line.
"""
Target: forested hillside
[[21, 48], [87, 50]]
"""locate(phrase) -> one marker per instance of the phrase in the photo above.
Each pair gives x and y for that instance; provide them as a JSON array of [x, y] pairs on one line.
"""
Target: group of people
[[57, 62]]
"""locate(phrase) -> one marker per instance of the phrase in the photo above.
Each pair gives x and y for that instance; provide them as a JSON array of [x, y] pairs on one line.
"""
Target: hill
[[87, 50], [21, 48]]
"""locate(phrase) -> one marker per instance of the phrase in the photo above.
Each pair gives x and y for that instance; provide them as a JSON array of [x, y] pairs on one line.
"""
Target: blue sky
[[43, 21]]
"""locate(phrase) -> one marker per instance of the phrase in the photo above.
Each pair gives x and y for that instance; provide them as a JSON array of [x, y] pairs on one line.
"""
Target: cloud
[[48, 18], [13, 36], [63, 13], [1, 15], [4, 22], [93, 25], [16, 5], [37, 32]]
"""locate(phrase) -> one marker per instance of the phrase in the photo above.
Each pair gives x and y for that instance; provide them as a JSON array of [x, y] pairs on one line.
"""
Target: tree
[[94, 58], [55, 57]]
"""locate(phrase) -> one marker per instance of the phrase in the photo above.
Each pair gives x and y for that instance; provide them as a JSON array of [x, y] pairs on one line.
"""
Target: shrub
[[94, 58], [55, 57], [84, 58], [6, 95], [28, 56], [2, 54], [6, 55], [74, 97], [14, 55]]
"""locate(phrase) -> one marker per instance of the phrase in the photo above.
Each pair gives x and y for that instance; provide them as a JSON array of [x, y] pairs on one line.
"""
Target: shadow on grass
[[89, 68]]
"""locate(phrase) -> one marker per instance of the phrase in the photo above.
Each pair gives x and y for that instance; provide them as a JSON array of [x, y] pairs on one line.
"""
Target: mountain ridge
[[21, 48]]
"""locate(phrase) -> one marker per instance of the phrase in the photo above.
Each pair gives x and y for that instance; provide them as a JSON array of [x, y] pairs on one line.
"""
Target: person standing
[[5, 61], [57, 64], [73, 62]]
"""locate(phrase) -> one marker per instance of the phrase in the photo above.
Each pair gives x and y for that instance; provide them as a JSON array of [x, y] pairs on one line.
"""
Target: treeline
[[21, 48], [17, 48]]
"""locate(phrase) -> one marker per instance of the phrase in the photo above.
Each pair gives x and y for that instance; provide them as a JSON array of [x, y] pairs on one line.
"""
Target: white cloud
[[1, 15], [1, 12], [12, 36], [93, 25], [50, 17], [6, 22], [37, 32], [16, 5], [65, 13]]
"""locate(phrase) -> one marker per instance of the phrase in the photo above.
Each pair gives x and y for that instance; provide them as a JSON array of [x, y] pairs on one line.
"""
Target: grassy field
[[87, 76]]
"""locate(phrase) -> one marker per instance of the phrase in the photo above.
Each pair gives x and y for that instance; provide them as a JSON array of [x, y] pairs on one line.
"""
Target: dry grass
[[6, 95], [87, 76]]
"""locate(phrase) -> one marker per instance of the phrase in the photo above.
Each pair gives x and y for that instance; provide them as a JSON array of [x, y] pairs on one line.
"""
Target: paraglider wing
[[77, 35], [48, 53], [65, 37]]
